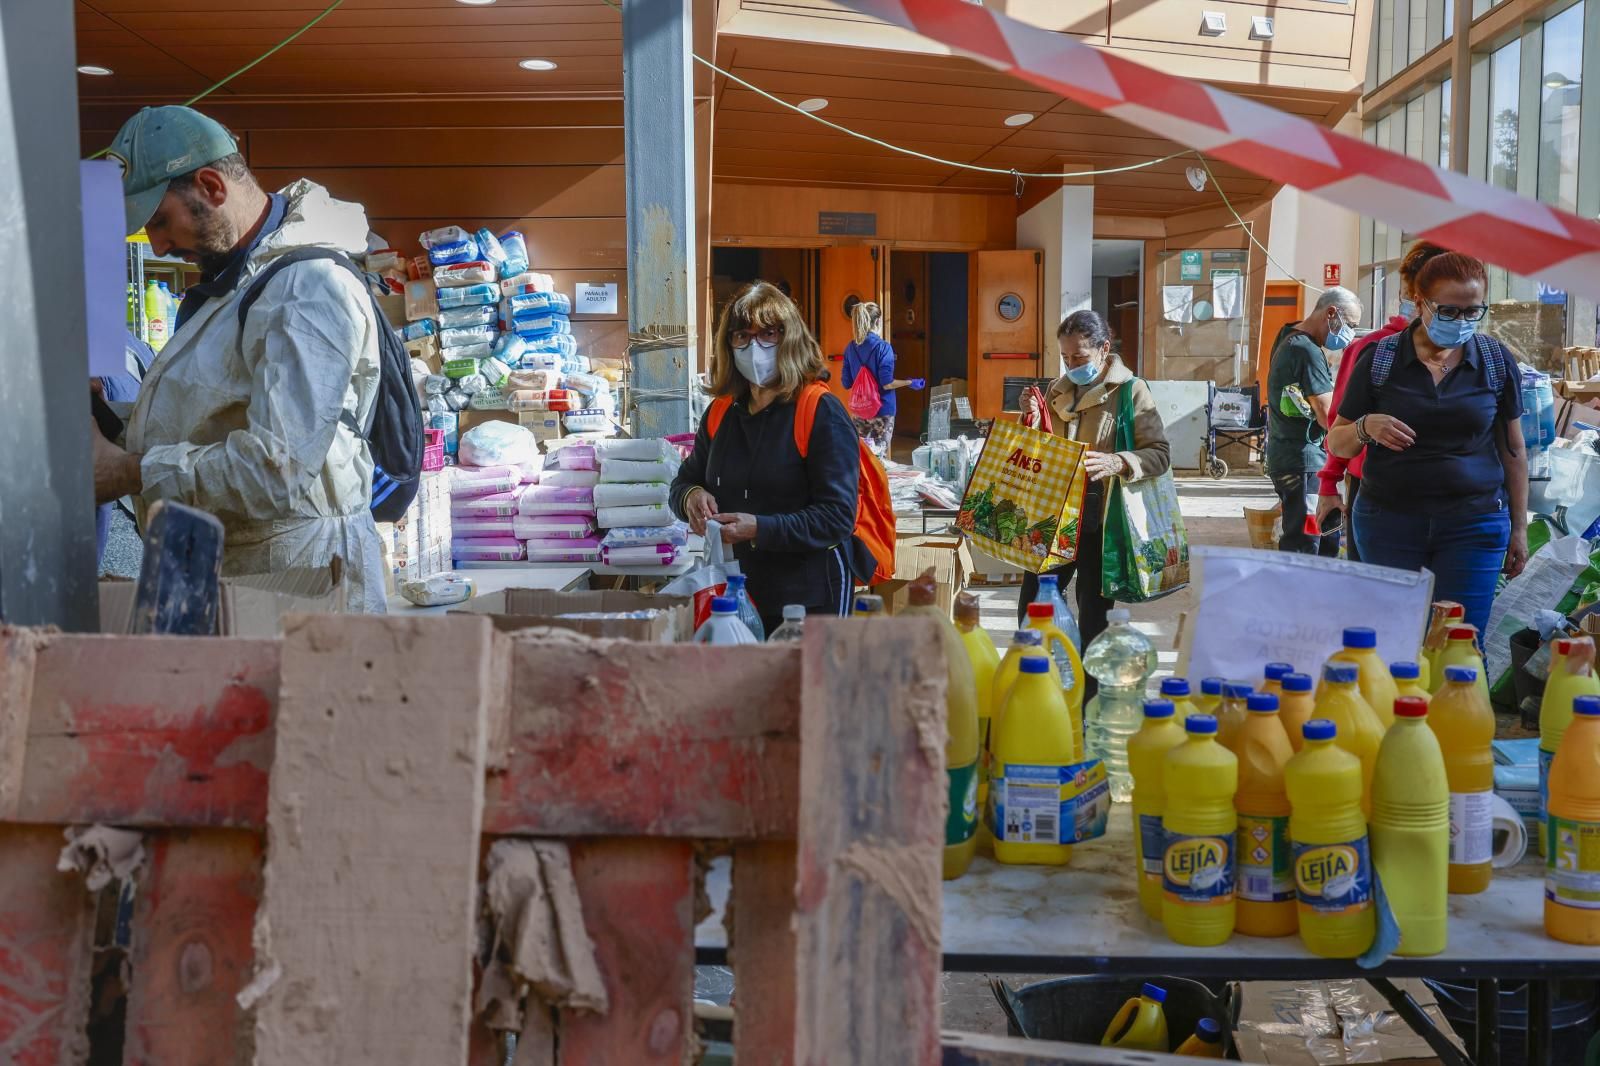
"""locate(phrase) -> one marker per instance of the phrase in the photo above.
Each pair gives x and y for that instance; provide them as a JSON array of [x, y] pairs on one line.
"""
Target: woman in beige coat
[[1083, 407]]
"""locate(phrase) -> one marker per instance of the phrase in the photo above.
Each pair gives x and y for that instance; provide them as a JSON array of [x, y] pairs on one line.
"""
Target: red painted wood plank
[[191, 951], [638, 905], [18, 651], [762, 951], [871, 837], [46, 933]]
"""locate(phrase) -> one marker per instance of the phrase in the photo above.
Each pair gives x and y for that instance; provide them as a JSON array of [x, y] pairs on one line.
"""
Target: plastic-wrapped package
[[515, 248], [488, 550], [494, 505], [438, 590], [577, 457], [526, 282], [587, 420], [524, 304], [536, 380], [435, 385], [641, 449], [641, 555], [415, 331], [508, 348], [467, 351], [450, 277], [546, 400], [498, 444], [618, 471], [555, 499], [422, 301], [467, 296], [677, 533], [438, 406], [657, 514], [635, 494], [472, 384], [452, 252], [443, 235], [459, 368], [458, 399], [493, 251], [496, 373], [446, 421], [551, 526], [531, 470], [563, 555], [483, 480], [582, 479], [489, 398], [465, 335], [501, 526], [561, 344], [587, 383], [533, 327], [461, 317]]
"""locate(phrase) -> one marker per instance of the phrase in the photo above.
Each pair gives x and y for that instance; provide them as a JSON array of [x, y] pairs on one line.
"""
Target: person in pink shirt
[[1348, 471]]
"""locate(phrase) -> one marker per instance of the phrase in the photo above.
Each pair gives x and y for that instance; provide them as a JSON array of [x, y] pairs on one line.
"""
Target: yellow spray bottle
[[1410, 829], [1377, 687], [1571, 676], [1200, 777], [1161, 731], [1332, 859], [1034, 741]]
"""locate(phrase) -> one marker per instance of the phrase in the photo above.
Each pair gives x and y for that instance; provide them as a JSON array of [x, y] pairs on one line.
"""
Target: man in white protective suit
[[260, 422]]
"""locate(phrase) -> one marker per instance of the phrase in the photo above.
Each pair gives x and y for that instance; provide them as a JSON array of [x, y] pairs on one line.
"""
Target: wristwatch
[[1361, 431]]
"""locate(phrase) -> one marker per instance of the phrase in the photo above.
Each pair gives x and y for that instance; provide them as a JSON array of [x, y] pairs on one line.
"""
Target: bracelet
[[1361, 431]]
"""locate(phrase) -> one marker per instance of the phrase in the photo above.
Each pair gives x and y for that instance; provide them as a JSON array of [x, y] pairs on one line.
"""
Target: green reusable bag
[[1145, 551]]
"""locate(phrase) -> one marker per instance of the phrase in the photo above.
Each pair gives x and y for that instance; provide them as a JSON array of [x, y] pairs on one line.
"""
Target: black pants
[[1292, 490], [1092, 607]]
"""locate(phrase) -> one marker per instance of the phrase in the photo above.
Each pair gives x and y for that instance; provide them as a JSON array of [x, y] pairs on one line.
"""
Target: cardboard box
[[949, 556], [1578, 390], [251, 605], [426, 349], [470, 417], [394, 309], [988, 570], [1308, 1023], [514, 609], [544, 425]]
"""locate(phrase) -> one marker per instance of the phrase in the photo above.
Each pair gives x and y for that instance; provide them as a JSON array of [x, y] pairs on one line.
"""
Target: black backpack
[[394, 430]]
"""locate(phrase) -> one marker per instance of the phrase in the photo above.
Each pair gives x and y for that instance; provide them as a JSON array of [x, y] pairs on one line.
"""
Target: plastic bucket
[[1572, 1018], [1078, 1009]]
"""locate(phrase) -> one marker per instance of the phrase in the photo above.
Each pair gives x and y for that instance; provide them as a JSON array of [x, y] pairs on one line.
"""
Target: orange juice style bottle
[[1462, 719], [1408, 681], [1571, 676], [1210, 697], [1296, 706], [1332, 859], [1357, 728], [1377, 687], [1462, 650], [1233, 713], [1200, 777], [1161, 731], [1572, 867], [1272, 678], [1265, 878]]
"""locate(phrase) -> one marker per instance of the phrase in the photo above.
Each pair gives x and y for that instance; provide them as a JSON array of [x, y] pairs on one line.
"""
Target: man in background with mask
[[260, 423], [1299, 400]]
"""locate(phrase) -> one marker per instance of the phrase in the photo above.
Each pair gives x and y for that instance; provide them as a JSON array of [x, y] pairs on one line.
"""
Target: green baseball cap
[[159, 144]]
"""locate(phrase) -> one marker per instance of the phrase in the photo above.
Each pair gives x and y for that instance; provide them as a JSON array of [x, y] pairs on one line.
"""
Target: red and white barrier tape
[[1520, 234]]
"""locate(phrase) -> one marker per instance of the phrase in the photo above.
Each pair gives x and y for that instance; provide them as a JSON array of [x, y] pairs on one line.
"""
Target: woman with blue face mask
[[1083, 404], [1438, 408]]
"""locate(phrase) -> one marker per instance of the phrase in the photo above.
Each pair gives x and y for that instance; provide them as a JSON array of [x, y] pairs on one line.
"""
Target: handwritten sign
[[595, 298]]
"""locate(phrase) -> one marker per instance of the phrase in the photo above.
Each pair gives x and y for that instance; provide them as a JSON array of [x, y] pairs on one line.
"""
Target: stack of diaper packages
[[555, 519], [483, 510], [418, 544], [631, 503]]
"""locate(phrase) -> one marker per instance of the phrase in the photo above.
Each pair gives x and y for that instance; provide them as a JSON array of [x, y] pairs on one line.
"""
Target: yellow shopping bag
[[1025, 497]]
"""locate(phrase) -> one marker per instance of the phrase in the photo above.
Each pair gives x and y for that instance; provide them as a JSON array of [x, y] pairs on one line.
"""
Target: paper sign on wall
[[1258, 607], [595, 298], [104, 265]]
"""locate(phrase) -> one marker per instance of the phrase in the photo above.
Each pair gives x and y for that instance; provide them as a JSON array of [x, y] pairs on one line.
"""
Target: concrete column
[[47, 543], [1062, 225], [658, 116]]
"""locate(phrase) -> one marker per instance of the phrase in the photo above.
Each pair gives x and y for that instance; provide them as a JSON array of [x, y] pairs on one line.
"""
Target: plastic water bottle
[[793, 628], [1050, 592], [724, 627], [1120, 659], [747, 610]]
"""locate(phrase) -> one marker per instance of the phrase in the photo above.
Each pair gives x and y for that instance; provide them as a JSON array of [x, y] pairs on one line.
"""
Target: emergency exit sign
[[1331, 273], [847, 223]]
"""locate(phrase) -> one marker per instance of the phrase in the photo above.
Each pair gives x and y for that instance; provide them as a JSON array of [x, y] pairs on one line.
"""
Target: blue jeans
[[1466, 553]]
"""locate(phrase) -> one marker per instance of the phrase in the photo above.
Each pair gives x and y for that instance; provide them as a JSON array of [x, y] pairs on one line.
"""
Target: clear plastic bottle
[[724, 627], [793, 628], [1121, 659], [1050, 592], [747, 610]]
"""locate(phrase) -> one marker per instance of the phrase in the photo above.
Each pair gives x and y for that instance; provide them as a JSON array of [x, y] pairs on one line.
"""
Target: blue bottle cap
[[1159, 709], [1405, 671], [724, 605], [1319, 729], [1236, 690], [1208, 1031], [1262, 703], [1211, 686], [1200, 724], [1278, 671], [1155, 992], [1586, 705], [1174, 686], [1341, 673], [735, 582], [1026, 637], [1464, 674], [1035, 664], [1360, 637], [1298, 683]]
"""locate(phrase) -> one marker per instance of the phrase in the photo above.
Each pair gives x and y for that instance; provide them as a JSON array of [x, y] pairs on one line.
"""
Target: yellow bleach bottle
[[1057, 645], [1034, 743], [1141, 1024], [1210, 696], [1462, 650], [1265, 877], [1408, 681], [1572, 867], [985, 658], [1571, 676], [961, 750], [1462, 719], [1178, 691], [1199, 777], [1204, 1043], [1442, 616], [1232, 714], [1410, 829], [1023, 642], [1296, 706], [1272, 678], [1332, 859], [1161, 731], [1377, 687], [1357, 727]]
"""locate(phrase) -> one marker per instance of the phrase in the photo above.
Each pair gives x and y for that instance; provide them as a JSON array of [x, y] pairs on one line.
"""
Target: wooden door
[[907, 329], [847, 275], [1007, 330], [1283, 307]]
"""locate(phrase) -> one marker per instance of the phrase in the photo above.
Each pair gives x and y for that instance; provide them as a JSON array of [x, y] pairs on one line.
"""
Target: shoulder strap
[[1494, 360], [805, 414], [1125, 441], [1383, 359], [719, 408], [299, 255]]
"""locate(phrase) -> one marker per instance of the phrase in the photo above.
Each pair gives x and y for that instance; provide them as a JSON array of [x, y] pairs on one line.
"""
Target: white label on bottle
[[1471, 827]]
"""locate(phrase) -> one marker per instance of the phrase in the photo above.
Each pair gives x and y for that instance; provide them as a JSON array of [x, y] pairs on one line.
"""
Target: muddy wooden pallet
[[391, 841]]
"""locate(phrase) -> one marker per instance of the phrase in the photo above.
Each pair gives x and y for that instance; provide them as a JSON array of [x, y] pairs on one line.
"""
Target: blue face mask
[[1085, 374], [1340, 336], [1408, 309], [1450, 334]]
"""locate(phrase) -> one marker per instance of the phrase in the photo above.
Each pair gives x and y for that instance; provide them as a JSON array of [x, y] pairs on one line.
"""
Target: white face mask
[[757, 362]]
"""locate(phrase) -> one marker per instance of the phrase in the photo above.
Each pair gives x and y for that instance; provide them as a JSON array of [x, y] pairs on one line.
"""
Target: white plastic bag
[[498, 444], [708, 580]]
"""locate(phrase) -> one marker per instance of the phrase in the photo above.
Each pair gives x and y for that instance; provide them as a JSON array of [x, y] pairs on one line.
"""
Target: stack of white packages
[[555, 519], [631, 503], [419, 543], [483, 508]]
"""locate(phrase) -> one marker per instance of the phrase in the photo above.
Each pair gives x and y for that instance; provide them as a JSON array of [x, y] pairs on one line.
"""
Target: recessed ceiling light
[[1020, 119], [816, 103], [98, 72], [475, 3], [537, 64]]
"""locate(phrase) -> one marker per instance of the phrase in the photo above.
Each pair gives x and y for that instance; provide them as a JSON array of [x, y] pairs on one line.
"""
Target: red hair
[[1417, 258], [1450, 266]]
